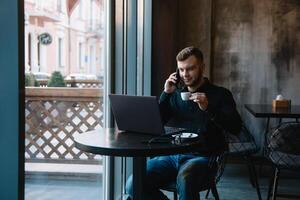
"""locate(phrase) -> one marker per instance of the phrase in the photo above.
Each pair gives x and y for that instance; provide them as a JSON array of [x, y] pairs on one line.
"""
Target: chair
[[283, 150], [244, 145], [211, 185]]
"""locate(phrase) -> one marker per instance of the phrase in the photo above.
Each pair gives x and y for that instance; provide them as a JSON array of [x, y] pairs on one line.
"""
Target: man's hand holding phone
[[171, 82]]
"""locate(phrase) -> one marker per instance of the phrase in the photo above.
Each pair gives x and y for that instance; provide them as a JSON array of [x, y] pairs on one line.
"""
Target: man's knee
[[184, 178], [190, 176]]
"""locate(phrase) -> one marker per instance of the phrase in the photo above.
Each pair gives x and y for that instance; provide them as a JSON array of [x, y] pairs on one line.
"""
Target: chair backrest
[[242, 143], [284, 145], [285, 138]]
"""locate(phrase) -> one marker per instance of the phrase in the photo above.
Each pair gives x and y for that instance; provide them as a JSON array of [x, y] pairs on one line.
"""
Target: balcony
[[42, 10], [53, 117]]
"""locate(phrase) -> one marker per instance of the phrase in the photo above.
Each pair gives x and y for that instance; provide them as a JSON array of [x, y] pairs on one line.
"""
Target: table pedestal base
[[139, 173]]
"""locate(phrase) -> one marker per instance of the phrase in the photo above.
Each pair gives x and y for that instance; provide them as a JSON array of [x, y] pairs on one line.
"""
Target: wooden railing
[[76, 83], [54, 116], [84, 83]]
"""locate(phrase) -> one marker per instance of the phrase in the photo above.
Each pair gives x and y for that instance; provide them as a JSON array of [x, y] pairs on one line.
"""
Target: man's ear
[[202, 68]]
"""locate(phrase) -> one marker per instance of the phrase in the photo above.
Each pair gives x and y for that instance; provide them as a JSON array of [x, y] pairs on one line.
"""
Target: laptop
[[139, 114]]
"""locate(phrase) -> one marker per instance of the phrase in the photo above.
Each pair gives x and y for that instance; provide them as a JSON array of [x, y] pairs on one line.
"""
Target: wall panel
[[256, 51]]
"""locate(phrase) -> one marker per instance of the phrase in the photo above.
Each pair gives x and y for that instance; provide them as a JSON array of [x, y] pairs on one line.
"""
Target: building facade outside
[[65, 36]]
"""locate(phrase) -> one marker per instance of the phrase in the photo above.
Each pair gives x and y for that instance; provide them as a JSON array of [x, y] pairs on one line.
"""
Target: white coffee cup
[[185, 96]]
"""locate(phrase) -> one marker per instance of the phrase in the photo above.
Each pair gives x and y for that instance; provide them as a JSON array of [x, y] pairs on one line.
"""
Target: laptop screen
[[137, 113]]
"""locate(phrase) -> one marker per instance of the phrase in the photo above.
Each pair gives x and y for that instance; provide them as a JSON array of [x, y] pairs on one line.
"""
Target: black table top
[[266, 110], [112, 143]]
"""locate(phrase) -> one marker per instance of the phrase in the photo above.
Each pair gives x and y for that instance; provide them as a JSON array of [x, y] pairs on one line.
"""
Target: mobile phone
[[177, 78]]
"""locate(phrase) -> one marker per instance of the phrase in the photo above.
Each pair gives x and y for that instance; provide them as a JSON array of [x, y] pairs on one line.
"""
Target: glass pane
[[64, 69]]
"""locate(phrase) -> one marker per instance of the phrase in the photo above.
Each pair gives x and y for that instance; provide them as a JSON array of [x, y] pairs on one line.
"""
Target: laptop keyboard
[[172, 130]]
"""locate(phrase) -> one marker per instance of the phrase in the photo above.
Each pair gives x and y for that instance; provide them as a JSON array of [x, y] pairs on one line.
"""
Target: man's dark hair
[[189, 51]]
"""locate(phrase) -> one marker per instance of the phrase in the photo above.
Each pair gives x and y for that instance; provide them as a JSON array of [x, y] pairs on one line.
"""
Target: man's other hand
[[201, 99]]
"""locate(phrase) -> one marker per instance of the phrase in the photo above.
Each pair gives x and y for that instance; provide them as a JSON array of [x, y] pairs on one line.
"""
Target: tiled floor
[[63, 190], [234, 185]]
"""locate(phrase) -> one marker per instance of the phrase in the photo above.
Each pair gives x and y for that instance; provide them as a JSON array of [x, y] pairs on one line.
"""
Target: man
[[211, 110]]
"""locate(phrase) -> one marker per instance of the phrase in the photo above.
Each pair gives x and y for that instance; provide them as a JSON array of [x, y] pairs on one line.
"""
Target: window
[[60, 53], [80, 10], [38, 4], [38, 55], [91, 59], [54, 167], [59, 6], [91, 15], [29, 51], [80, 56]]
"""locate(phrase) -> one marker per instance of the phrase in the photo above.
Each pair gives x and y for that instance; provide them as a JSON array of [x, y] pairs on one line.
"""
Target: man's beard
[[196, 82]]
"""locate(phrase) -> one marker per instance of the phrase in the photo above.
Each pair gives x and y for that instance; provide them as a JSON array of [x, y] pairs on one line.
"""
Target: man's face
[[191, 71]]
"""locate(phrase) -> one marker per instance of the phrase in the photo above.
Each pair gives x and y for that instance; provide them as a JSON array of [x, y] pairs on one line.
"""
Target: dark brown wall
[[255, 46], [257, 51], [195, 27], [164, 45], [178, 24]]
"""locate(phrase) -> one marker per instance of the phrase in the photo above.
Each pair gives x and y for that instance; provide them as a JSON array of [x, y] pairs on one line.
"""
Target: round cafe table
[[111, 142]]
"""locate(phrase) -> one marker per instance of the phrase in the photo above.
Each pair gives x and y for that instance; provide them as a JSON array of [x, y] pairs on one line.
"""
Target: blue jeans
[[190, 172]]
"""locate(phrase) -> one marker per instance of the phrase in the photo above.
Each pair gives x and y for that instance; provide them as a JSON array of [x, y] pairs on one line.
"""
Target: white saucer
[[186, 135]]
